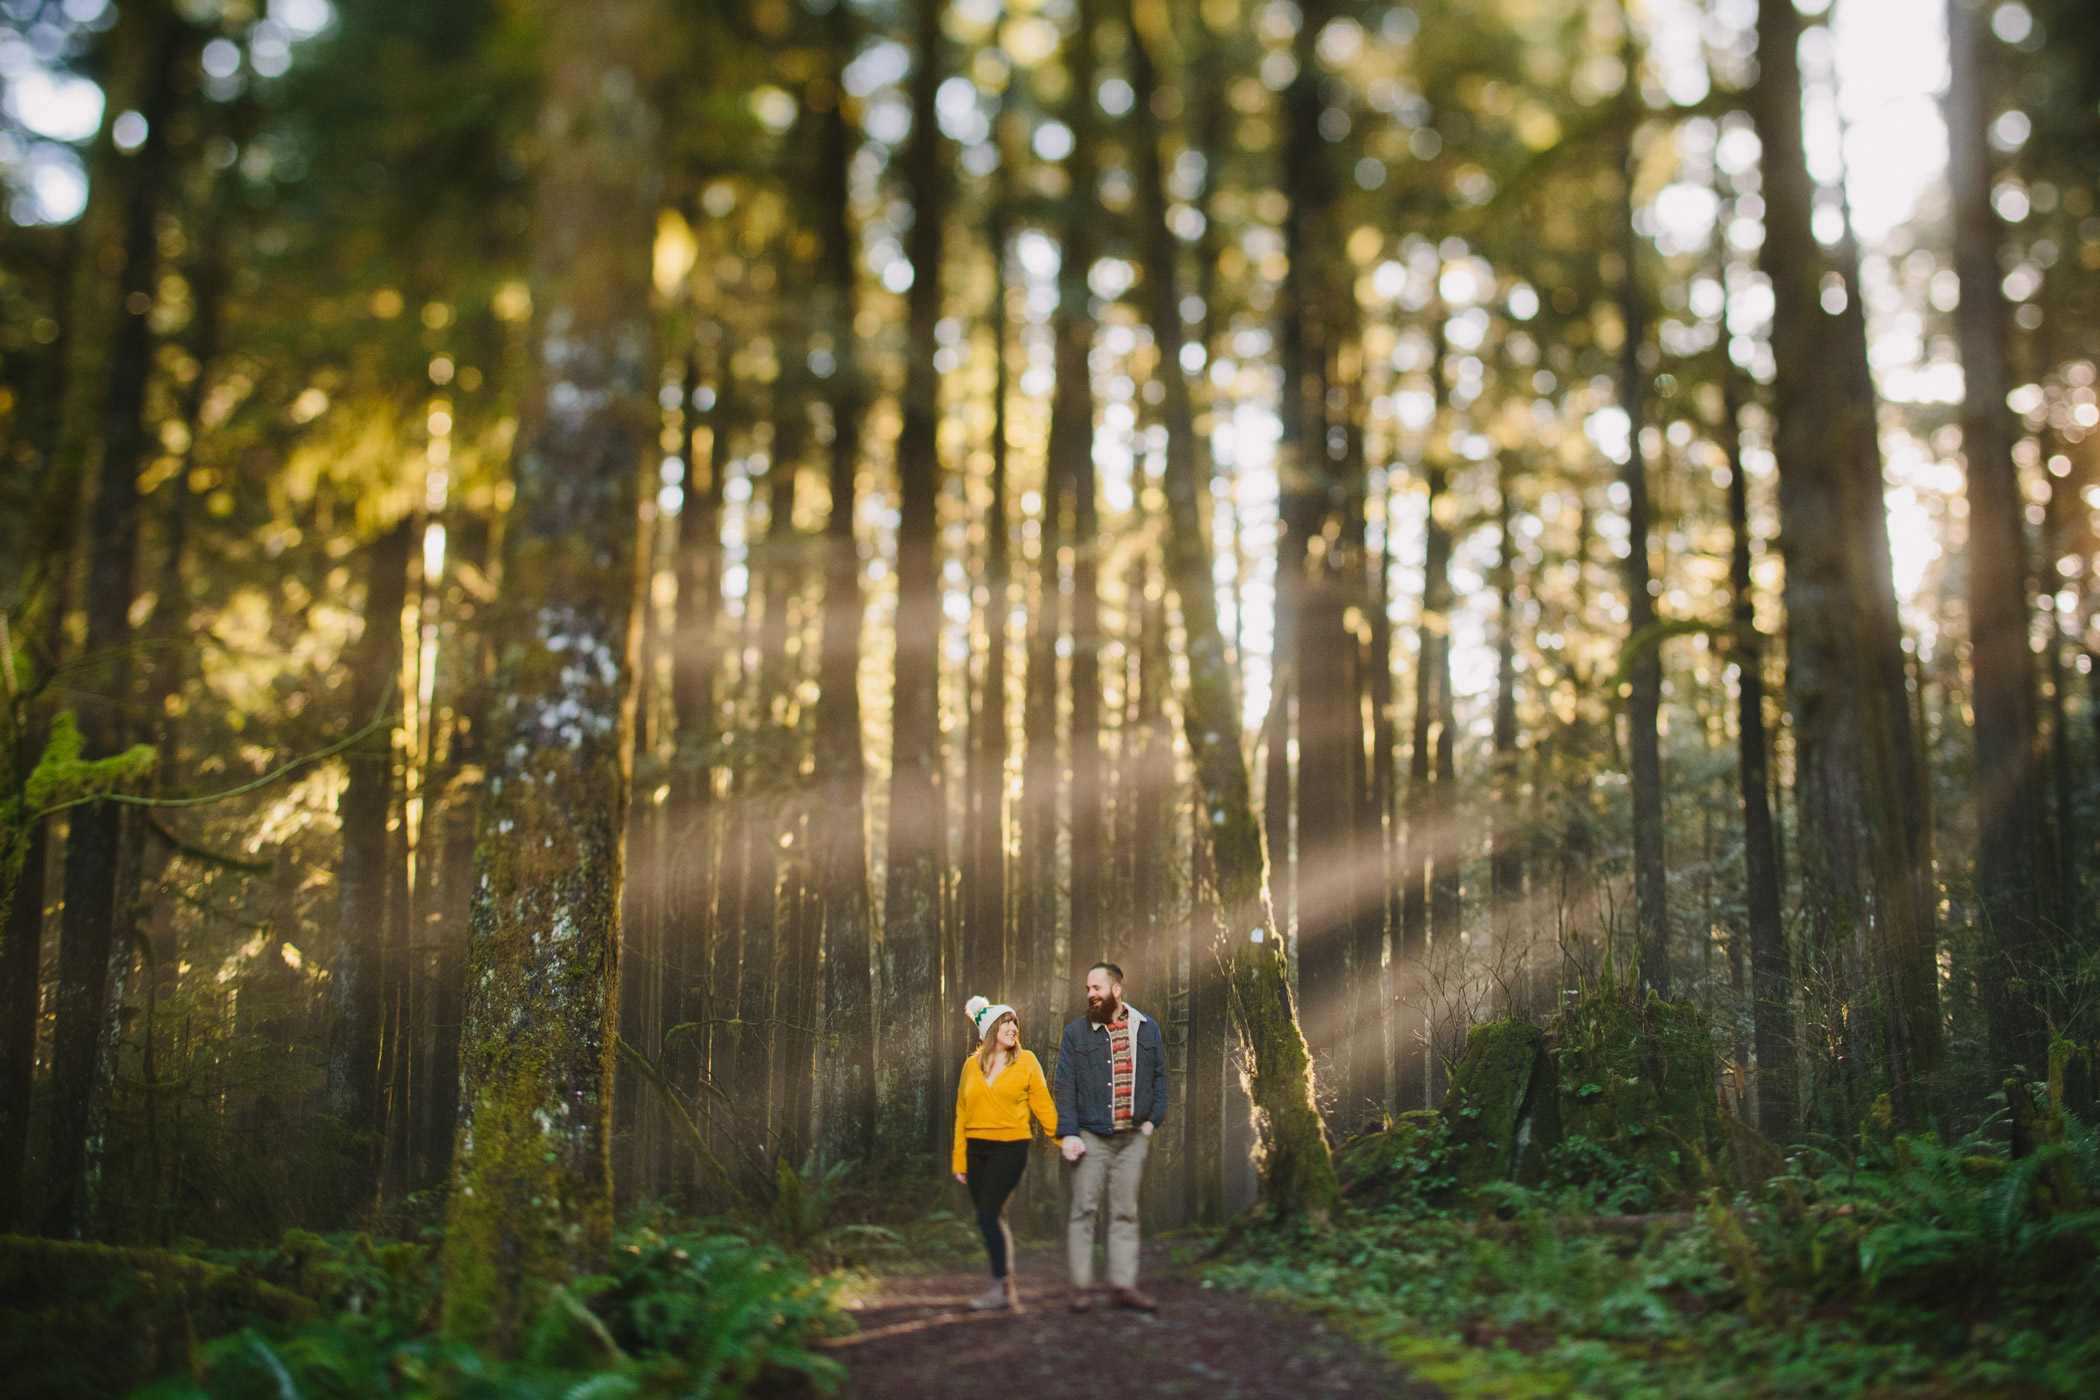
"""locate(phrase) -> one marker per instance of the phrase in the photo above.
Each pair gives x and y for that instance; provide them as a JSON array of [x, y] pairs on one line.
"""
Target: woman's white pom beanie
[[985, 1014]]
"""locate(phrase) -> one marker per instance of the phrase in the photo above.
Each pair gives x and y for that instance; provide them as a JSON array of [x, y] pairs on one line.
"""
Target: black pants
[[994, 1169]]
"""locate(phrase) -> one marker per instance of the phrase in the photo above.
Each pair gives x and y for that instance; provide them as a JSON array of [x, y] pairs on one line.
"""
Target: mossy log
[[1503, 1107], [90, 1320], [1637, 1078]]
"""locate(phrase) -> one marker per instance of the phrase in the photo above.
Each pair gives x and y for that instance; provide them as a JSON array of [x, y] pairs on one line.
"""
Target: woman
[[1001, 1085]]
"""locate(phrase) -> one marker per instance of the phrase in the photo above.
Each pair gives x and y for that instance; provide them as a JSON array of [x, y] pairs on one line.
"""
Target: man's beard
[[1102, 1010]]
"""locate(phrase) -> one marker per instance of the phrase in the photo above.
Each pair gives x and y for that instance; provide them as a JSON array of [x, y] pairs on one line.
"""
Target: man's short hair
[[1115, 974]]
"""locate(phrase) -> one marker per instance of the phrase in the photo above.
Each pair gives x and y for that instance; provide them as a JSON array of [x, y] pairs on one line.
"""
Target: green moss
[[1637, 1080], [93, 1320], [1502, 1107]]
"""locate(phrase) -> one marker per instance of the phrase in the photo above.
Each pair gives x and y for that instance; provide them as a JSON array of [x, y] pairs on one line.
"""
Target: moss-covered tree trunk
[[918, 845], [1297, 1173], [2007, 783], [531, 1202]]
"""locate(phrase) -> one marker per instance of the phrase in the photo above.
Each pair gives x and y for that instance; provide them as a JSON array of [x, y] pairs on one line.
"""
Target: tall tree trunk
[[1856, 780], [1771, 965], [531, 1204], [1072, 445], [1385, 796], [839, 818], [1149, 805], [768, 799], [694, 815], [1297, 1174], [1035, 901], [911, 938], [1506, 861], [94, 837], [19, 972], [2007, 793], [356, 1006], [1651, 885], [1209, 1016], [2064, 535], [985, 952]]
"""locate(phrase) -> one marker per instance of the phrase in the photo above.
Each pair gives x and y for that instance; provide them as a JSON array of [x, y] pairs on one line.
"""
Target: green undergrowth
[[1908, 1268], [681, 1310]]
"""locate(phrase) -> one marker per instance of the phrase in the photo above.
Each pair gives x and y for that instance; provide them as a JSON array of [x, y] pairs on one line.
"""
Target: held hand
[[962, 1178], [1074, 1149]]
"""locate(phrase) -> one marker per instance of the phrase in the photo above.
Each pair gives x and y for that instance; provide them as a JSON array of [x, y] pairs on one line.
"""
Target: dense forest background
[[578, 576]]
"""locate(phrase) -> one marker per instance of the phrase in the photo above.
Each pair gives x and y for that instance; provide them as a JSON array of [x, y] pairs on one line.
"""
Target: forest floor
[[918, 1339]]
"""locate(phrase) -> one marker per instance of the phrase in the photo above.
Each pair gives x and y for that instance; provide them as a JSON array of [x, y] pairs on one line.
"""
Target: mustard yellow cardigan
[[999, 1111]]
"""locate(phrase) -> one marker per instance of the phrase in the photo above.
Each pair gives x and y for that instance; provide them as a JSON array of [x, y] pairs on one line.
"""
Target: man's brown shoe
[[1082, 1300], [1136, 1301]]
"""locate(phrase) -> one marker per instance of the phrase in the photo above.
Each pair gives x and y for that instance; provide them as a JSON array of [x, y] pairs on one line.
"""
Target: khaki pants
[[1115, 1164]]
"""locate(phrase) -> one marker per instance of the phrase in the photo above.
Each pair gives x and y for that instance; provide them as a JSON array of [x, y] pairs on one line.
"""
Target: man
[[1111, 1096]]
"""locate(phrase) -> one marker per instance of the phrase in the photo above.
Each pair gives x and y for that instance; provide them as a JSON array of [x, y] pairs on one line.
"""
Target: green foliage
[[82, 1320], [1408, 1168], [1914, 1269], [675, 1313]]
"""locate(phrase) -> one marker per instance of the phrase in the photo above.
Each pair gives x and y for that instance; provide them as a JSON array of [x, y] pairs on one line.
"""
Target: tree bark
[[88, 924], [354, 984], [1771, 964], [531, 1204], [1871, 966], [1651, 883], [1506, 861], [2007, 784], [985, 952], [1072, 446], [839, 820], [1297, 1174], [911, 939], [692, 921]]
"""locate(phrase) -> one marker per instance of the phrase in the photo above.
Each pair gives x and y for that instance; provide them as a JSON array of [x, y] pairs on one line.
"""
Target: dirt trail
[[919, 1341]]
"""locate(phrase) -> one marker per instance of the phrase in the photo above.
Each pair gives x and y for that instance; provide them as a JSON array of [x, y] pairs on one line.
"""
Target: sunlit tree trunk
[[1384, 816], [1297, 1174], [767, 777], [695, 869], [2063, 537], [1651, 884], [1771, 965], [88, 951], [531, 1203], [2007, 796], [356, 1005], [911, 938], [838, 820]]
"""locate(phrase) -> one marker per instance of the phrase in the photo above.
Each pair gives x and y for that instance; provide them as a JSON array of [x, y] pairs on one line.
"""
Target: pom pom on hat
[[984, 1014]]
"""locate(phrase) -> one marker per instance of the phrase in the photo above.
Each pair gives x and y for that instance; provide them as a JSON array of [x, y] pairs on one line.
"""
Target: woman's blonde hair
[[990, 1043]]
